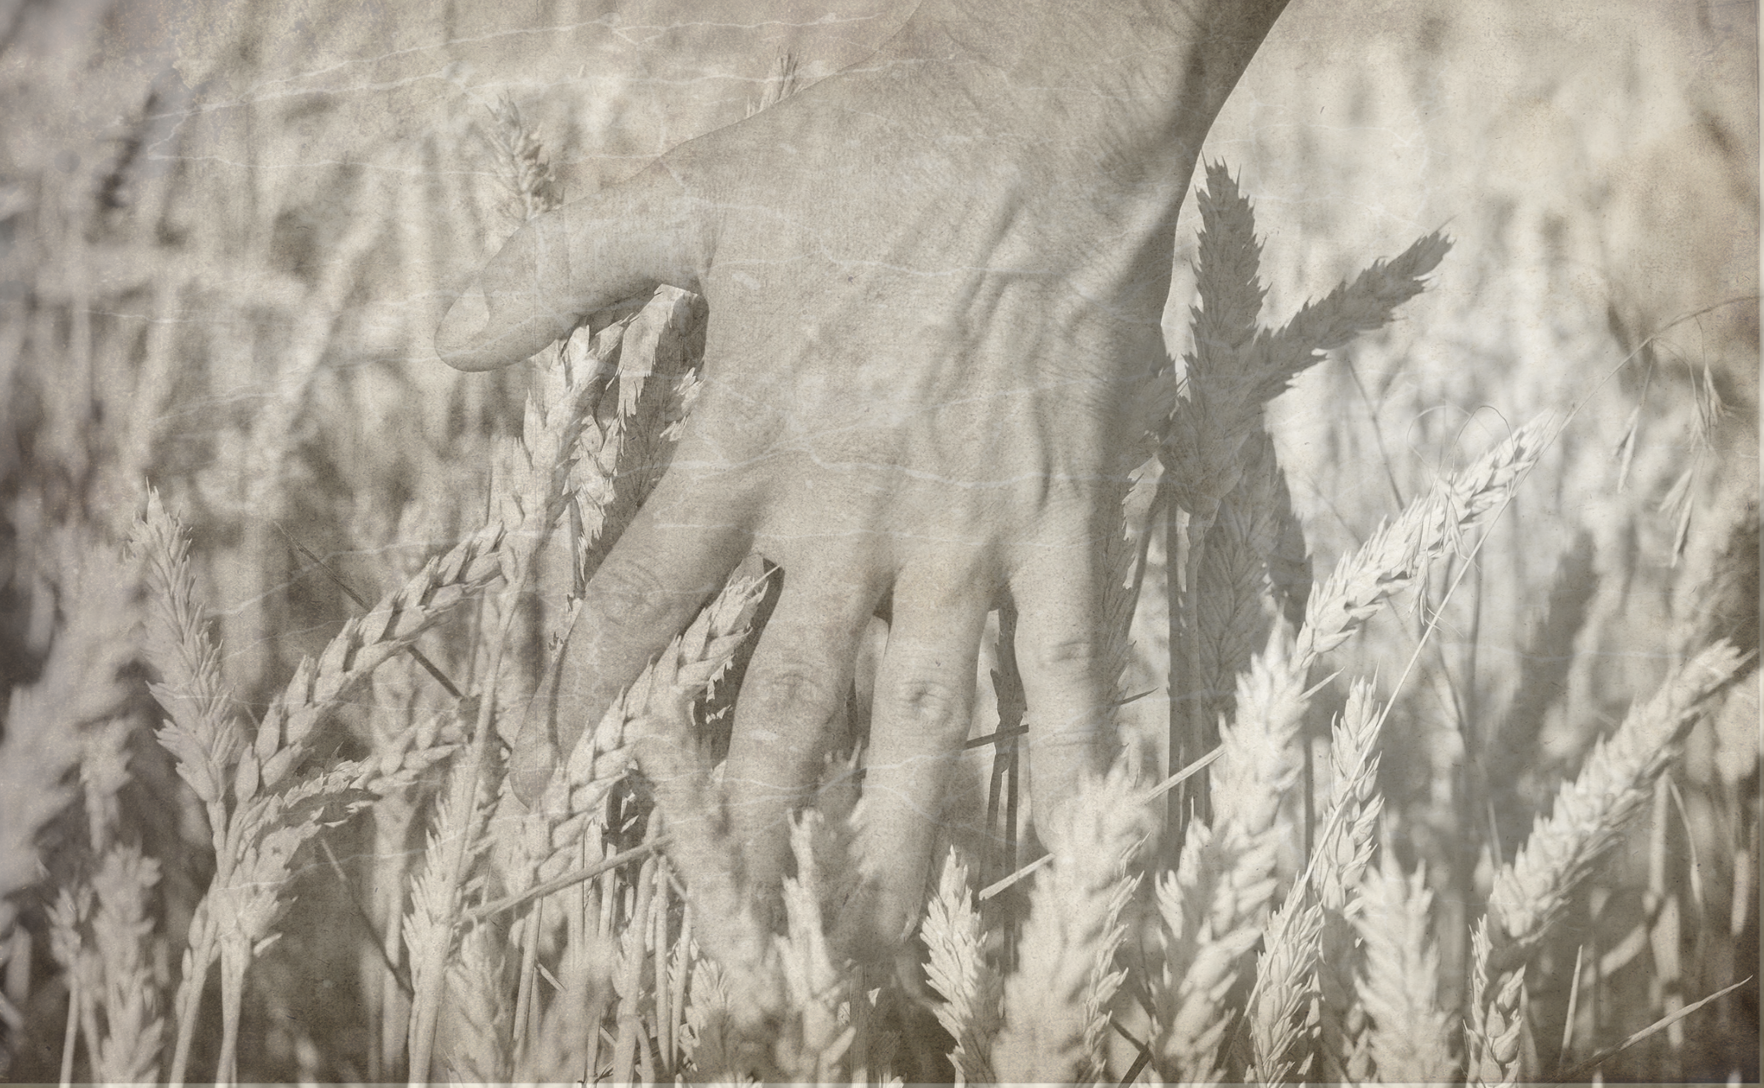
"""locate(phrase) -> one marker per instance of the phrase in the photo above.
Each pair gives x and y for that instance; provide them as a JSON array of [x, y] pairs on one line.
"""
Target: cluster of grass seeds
[[186, 784]]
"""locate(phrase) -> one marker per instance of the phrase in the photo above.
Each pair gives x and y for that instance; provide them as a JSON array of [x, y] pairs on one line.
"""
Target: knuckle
[[1076, 654], [625, 590], [793, 690], [926, 702]]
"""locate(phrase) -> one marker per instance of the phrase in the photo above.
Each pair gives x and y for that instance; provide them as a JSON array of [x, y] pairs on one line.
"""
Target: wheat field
[[1435, 601]]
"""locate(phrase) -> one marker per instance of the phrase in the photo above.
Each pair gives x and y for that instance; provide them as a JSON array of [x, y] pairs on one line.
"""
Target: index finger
[[567, 263]]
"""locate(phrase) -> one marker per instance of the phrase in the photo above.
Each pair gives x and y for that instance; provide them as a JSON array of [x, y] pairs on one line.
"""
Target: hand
[[935, 285]]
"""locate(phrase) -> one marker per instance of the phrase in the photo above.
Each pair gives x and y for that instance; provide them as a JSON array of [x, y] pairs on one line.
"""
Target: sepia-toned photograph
[[879, 542]]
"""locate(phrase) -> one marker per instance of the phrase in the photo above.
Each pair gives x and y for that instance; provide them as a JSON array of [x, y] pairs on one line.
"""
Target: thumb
[[568, 263]]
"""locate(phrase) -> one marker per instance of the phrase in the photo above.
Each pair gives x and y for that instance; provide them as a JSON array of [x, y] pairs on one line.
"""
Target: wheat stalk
[[1289, 564], [565, 1046], [1199, 445], [655, 715], [248, 895], [462, 812]]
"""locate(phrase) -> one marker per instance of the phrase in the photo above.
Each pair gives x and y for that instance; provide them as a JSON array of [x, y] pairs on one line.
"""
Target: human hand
[[935, 284]]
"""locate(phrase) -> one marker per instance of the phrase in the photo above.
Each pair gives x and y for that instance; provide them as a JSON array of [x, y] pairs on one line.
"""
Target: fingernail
[[458, 339]]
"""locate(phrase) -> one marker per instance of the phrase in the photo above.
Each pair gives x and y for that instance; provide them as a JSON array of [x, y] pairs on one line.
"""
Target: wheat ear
[[1591, 812], [573, 800], [1226, 614], [818, 1030], [954, 937], [200, 731], [1215, 902], [259, 814], [1397, 554], [1368, 303], [1588, 818], [81, 684], [460, 817], [1281, 1015], [1311, 948], [521, 164], [127, 1049], [1342, 852], [1408, 1036], [1199, 449], [1056, 1002], [288, 729]]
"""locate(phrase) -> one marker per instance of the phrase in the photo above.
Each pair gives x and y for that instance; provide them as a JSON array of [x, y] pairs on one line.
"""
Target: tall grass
[[258, 713]]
